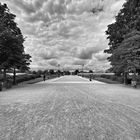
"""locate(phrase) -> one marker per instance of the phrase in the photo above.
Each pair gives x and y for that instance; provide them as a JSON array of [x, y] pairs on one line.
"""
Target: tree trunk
[[125, 78], [4, 75], [14, 77]]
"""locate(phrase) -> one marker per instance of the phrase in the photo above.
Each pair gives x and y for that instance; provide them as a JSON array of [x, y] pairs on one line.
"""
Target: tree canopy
[[124, 35], [12, 54]]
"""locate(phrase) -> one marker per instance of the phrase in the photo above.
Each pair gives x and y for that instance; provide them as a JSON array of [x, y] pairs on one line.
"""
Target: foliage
[[76, 72], [67, 73], [12, 53], [123, 37], [51, 72], [26, 77], [129, 52], [90, 71]]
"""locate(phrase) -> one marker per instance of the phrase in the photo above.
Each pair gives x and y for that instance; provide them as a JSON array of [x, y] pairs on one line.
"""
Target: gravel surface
[[70, 108]]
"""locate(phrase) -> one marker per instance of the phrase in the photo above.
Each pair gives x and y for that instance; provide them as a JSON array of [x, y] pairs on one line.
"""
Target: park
[[70, 70]]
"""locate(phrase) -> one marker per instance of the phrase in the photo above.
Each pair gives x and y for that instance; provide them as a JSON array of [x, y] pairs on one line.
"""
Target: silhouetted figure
[[90, 78], [134, 82], [44, 77]]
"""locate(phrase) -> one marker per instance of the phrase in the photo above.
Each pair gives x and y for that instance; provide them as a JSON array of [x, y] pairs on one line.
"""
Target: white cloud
[[65, 32], [53, 63]]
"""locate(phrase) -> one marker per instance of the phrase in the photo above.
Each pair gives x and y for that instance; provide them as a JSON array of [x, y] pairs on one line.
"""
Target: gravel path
[[70, 108]]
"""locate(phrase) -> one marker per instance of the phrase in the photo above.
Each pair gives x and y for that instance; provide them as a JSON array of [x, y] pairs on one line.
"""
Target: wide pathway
[[70, 108]]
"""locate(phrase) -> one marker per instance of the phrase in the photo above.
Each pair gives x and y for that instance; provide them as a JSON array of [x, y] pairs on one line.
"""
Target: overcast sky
[[65, 32]]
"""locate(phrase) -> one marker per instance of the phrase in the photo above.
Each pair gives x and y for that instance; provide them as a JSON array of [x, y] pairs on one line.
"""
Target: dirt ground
[[70, 108]]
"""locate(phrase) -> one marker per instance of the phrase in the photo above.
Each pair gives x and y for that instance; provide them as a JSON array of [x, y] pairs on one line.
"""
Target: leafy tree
[[128, 52], [40, 72], [34, 72], [76, 72], [12, 53], [123, 35], [51, 71], [90, 71], [46, 71], [67, 72]]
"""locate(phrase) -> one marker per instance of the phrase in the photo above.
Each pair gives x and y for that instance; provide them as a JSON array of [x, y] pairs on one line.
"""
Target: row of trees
[[12, 54], [124, 39], [51, 72], [59, 72]]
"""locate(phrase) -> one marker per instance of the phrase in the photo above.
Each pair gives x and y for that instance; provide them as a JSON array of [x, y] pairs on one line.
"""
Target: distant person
[[90, 78], [44, 77], [134, 81]]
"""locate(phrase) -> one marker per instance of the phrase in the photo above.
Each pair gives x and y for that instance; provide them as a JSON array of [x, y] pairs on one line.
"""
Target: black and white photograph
[[69, 69]]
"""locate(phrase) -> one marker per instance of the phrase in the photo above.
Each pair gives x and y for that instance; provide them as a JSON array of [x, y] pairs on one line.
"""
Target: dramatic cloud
[[53, 63], [69, 33]]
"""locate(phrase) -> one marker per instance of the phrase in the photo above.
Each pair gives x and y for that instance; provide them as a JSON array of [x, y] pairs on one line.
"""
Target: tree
[[90, 71], [51, 71], [22, 63], [66, 72], [40, 72], [12, 53], [123, 35], [128, 52], [76, 72]]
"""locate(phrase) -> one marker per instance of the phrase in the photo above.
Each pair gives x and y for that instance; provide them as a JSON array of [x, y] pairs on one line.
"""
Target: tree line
[[124, 39], [12, 54]]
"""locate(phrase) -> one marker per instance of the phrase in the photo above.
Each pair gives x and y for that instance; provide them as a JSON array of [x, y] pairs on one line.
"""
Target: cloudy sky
[[65, 32]]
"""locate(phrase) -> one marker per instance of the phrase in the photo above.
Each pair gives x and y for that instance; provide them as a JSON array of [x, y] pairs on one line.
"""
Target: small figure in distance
[[44, 77], [90, 79], [134, 82]]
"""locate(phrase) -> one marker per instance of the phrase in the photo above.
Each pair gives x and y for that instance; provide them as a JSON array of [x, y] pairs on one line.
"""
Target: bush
[[105, 80], [120, 80], [114, 78], [8, 84], [22, 78], [107, 76]]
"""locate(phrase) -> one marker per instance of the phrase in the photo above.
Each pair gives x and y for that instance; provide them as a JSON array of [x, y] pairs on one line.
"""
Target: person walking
[[90, 78], [134, 81], [44, 77]]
